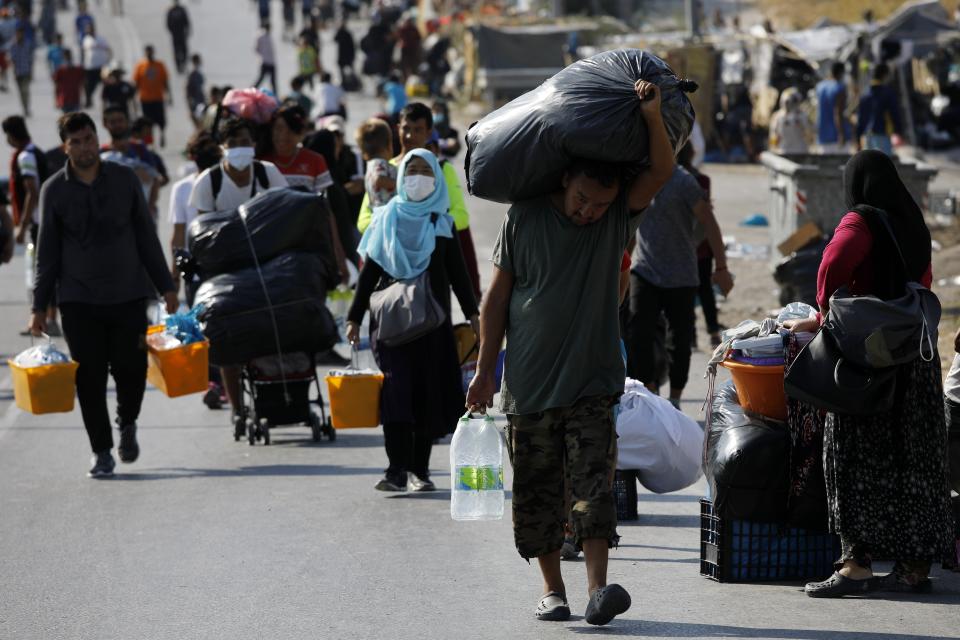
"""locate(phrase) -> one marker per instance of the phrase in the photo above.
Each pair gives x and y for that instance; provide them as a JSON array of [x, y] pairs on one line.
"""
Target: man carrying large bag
[[554, 294]]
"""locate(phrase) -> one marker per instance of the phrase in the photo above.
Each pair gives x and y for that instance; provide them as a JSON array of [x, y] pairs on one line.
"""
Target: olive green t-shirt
[[563, 330]]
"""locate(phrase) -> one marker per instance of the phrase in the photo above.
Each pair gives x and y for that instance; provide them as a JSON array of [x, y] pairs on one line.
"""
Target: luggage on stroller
[[276, 392]]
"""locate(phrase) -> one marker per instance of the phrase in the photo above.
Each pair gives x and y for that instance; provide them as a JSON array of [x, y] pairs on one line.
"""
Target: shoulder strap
[[260, 176], [216, 182]]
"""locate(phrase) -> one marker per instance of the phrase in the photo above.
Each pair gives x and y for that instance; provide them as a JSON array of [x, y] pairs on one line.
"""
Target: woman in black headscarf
[[886, 475]]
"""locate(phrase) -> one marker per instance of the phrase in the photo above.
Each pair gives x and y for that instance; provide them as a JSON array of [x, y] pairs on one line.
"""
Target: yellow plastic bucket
[[179, 371], [50, 388], [354, 399], [759, 388]]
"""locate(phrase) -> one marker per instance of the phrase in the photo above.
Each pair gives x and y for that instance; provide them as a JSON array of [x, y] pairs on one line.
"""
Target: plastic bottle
[[476, 470], [28, 258]]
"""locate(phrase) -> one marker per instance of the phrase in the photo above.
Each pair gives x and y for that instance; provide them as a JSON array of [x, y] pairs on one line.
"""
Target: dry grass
[[790, 14]]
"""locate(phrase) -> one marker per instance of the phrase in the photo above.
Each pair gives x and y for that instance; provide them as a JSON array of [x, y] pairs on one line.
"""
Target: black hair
[[293, 115], [204, 150], [73, 122], [881, 72], [232, 125], [141, 123], [195, 58], [608, 174], [417, 111], [297, 83], [325, 76], [16, 128], [115, 108], [836, 70]]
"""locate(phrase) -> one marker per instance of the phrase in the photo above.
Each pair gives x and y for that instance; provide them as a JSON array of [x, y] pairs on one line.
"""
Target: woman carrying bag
[[410, 250], [886, 474]]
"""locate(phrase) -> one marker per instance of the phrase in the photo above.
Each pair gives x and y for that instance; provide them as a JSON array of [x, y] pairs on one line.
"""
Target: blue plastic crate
[[743, 551]]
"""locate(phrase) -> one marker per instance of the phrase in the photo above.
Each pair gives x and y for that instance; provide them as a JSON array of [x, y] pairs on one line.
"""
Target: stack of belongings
[[749, 531], [589, 110], [754, 527], [266, 269]]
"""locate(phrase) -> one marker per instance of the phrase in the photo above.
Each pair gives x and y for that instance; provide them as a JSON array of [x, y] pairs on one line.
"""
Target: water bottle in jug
[[476, 469]]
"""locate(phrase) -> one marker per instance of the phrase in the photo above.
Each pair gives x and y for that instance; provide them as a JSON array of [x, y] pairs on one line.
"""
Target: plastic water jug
[[28, 258], [476, 469]]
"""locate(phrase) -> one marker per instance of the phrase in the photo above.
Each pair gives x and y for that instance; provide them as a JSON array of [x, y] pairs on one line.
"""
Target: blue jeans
[[879, 142]]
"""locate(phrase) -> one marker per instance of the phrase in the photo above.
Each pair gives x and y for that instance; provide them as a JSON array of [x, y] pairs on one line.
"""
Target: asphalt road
[[207, 538]]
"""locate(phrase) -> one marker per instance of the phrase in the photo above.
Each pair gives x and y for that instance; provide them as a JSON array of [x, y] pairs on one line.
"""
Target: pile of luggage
[[266, 269], [752, 527]]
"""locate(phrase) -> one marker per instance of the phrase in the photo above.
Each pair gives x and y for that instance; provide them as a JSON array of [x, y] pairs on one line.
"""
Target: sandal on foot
[[606, 603], [837, 586], [553, 607]]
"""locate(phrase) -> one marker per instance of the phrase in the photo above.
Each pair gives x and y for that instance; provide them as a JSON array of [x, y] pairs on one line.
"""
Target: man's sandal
[[553, 607]]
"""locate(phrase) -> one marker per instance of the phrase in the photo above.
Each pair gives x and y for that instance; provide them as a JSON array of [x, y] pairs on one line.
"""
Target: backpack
[[259, 177], [42, 172]]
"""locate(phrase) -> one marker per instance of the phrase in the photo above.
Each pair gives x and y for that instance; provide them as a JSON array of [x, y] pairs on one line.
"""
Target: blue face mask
[[439, 118]]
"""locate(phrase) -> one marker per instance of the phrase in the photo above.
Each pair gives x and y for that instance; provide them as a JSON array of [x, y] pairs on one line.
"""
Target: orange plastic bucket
[[354, 399], [179, 371], [50, 388], [759, 388]]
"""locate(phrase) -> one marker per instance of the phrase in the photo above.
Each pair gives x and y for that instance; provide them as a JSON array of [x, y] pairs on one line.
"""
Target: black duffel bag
[[589, 110], [242, 323], [277, 220], [746, 462]]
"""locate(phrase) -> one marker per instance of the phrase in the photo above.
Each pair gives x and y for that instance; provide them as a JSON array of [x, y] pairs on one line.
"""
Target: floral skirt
[[886, 475]]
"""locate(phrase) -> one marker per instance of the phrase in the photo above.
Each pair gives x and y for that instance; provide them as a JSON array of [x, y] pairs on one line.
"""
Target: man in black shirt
[[99, 251], [116, 91], [178, 24]]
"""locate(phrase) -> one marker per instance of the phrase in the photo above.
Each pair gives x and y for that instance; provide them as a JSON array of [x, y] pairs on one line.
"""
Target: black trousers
[[91, 82], [107, 339], [708, 299], [180, 52], [267, 70], [407, 450], [647, 302]]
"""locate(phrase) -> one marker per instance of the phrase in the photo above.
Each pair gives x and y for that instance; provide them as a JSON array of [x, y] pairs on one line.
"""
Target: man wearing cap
[[116, 91], [416, 129]]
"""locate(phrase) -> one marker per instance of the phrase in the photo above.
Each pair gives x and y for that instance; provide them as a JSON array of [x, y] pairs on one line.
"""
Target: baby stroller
[[275, 392]]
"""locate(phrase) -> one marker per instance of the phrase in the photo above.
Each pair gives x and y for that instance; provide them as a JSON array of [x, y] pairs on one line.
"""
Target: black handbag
[[820, 376], [833, 371]]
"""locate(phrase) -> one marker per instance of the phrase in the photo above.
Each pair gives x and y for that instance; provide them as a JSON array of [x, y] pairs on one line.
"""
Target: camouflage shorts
[[568, 450]]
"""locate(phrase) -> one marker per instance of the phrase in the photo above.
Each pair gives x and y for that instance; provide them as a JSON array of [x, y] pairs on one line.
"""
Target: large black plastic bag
[[236, 316], [278, 220], [588, 110], [747, 462], [797, 274]]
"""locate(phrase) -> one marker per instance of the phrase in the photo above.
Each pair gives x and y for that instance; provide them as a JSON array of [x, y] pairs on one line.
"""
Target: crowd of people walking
[[587, 280]]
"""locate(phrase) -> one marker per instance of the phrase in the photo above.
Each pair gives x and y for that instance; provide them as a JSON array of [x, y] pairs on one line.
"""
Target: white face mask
[[418, 188], [238, 157]]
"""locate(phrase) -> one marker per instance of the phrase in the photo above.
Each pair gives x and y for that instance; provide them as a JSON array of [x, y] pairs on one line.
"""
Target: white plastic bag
[[40, 355], [662, 444]]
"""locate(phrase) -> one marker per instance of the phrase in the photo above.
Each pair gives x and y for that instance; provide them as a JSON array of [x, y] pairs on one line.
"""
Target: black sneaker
[[128, 450], [103, 465], [391, 482], [213, 398]]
